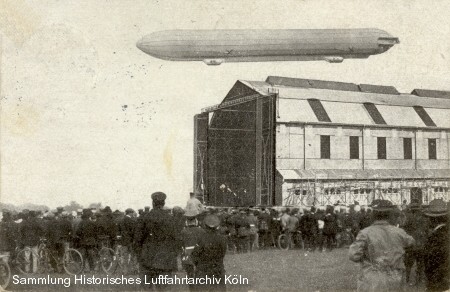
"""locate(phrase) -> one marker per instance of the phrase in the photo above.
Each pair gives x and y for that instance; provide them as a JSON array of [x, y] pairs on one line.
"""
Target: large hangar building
[[300, 142]]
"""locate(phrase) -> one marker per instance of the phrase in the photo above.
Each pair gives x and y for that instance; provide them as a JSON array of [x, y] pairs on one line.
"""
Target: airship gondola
[[218, 46]]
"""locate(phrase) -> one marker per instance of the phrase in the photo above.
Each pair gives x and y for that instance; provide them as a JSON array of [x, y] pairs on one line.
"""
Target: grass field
[[266, 270]]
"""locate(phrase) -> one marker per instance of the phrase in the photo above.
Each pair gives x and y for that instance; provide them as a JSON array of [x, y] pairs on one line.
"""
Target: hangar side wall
[[293, 151]]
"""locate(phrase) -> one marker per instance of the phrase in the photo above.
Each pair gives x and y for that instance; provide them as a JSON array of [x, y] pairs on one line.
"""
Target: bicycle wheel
[[24, 261], [72, 261], [283, 242], [5, 274], [108, 260]]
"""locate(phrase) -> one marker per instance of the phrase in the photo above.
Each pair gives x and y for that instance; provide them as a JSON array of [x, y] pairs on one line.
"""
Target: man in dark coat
[[309, 228], [191, 237], [415, 225], [59, 233], [242, 226], [208, 255], [436, 249], [88, 232], [126, 230], [329, 228], [157, 236], [8, 234], [30, 233]]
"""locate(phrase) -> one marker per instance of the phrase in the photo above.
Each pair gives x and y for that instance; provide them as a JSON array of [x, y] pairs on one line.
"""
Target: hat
[[129, 210], [177, 210], [211, 221], [159, 196], [87, 212], [382, 205], [437, 208], [107, 209]]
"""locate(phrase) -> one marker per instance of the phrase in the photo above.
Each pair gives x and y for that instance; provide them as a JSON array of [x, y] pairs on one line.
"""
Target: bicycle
[[71, 261], [5, 272], [106, 255], [296, 240], [22, 260], [123, 260]]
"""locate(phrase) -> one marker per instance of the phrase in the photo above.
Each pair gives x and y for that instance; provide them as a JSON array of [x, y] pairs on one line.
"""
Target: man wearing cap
[[191, 237], [415, 225], [208, 255], [126, 228], [87, 233], [436, 249], [157, 240], [380, 250]]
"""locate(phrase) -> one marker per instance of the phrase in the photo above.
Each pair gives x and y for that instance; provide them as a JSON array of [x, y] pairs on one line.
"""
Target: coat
[[30, 232], [126, 230], [157, 235], [88, 232], [437, 259], [208, 258], [380, 250]]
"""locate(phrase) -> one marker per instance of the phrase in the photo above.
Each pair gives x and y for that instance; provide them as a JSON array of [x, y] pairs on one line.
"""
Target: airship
[[215, 47]]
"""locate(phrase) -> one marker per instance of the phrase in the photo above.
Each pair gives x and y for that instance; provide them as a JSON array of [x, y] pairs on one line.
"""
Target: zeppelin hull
[[217, 46]]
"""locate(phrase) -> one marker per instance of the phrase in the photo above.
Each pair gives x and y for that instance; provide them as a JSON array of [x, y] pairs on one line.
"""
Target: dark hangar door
[[231, 156]]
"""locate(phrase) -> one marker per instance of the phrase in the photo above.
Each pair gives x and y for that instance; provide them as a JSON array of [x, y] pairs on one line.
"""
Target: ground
[[266, 270]]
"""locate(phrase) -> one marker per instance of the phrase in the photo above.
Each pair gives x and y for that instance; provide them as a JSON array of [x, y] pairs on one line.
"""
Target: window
[[354, 147], [407, 148], [381, 147], [324, 147], [431, 148]]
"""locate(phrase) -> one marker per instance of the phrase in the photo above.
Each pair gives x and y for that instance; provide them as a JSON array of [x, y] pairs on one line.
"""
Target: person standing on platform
[[436, 249], [380, 250], [208, 255], [156, 234], [193, 205]]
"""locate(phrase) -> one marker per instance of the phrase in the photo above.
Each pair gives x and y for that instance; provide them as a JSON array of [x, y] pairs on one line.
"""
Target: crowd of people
[[196, 238]]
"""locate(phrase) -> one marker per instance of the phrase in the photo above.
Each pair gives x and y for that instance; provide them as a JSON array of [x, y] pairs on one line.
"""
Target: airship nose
[[140, 44]]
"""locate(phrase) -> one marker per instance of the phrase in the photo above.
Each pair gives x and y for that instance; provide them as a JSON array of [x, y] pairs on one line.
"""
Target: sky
[[87, 116]]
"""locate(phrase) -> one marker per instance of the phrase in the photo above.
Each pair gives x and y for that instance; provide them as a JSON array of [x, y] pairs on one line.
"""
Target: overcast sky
[[86, 116]]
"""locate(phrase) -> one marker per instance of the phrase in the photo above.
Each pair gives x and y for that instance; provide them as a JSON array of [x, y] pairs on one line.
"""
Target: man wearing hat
[[436, 249], [87, 234], [209, 253], [380, 250], [415, 225], [157, 240], [30, 232]]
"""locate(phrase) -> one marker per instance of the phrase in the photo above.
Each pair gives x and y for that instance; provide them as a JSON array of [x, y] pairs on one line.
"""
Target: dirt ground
[[266, 270]]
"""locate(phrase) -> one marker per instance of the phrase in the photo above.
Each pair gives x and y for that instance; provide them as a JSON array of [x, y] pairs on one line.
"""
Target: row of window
[[325, 147]]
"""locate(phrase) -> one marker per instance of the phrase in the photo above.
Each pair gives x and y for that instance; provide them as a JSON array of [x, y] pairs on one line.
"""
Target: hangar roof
[[329, 102]]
